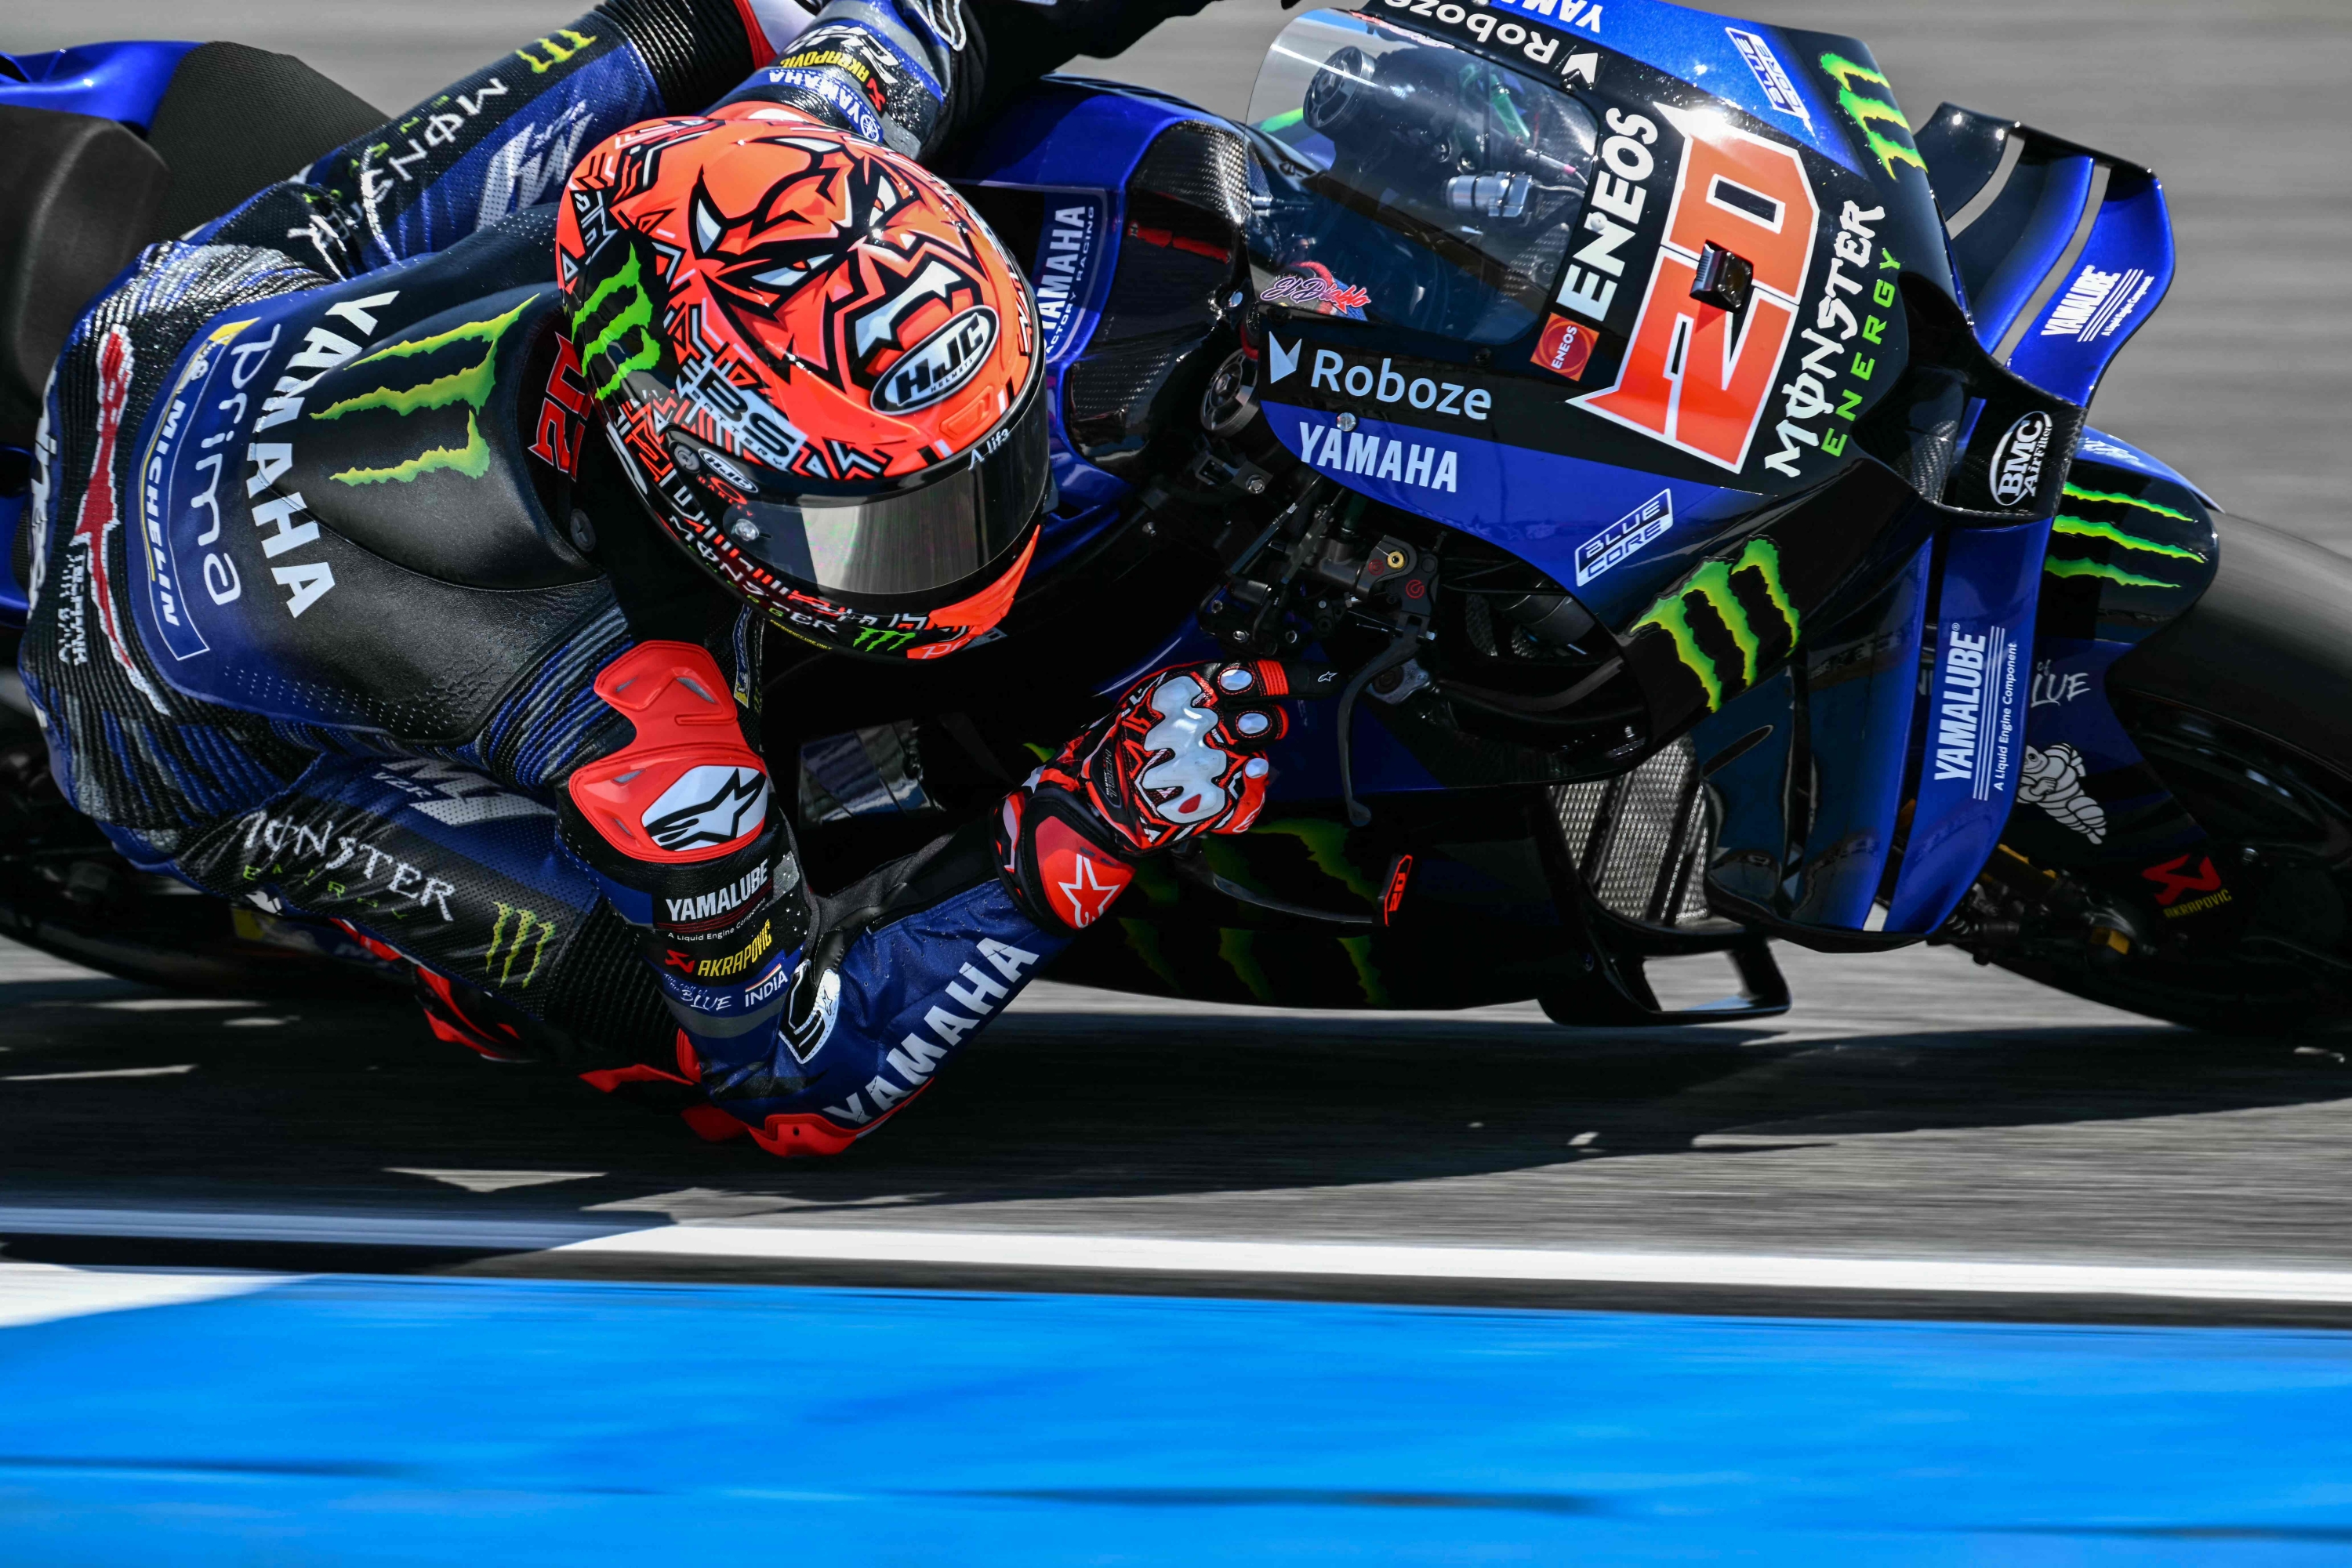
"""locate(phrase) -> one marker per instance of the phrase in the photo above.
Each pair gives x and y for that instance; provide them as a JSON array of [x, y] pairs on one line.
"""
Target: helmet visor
[[907, 543]]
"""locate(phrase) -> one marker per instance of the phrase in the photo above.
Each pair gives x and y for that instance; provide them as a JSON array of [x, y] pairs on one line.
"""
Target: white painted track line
[[45, 1292], [735, 1241], [997, 1250]]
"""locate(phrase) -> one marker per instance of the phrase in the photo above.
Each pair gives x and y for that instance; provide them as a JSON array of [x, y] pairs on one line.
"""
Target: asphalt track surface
[[1914, 1106]]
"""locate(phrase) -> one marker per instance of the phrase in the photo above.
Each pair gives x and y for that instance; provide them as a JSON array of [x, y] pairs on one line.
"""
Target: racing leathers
[[339, 609]]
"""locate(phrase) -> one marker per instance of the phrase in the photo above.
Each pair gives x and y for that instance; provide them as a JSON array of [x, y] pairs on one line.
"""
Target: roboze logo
[[1624, 538], [2016, 469], [1338, 451], [1330, 372], [974, 995], [939, 364], [1976, 707], [1487, 21], [1064, 263]]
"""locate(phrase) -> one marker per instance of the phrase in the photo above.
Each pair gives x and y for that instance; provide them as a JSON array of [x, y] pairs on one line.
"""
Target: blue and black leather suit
[[335, 652]]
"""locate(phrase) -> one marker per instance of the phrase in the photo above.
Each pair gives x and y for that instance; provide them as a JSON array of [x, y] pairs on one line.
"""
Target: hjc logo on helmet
[[939, 364], [2016, 469]]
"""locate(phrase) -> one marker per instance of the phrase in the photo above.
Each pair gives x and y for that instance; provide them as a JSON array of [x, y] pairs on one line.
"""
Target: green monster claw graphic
[[471, 386], [2076, 492], [1358, 949], [2090, 528], [1713, 583], [2103, 572], [637, 311], [1889, 150], [529, 933], [2071, 526]]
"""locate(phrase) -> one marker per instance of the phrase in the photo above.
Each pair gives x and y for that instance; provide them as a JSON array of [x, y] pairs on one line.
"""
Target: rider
[[383, 576]]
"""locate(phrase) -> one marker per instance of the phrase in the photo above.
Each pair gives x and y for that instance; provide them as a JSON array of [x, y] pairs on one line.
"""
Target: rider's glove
[[1181, 754]]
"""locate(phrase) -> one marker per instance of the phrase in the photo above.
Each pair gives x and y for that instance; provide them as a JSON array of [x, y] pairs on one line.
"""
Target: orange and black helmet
[[819, 368]]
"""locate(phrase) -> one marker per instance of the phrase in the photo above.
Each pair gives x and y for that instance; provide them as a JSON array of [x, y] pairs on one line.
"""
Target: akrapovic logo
[[939, 364], [2017, 458]]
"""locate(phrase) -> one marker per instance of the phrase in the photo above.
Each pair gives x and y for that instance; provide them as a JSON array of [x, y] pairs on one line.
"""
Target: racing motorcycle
[[1694, 487]]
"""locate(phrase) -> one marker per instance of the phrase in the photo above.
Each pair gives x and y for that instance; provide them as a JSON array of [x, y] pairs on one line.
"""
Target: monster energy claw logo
[[471, 386], [2068, 525], [1736, 590], [559, 48], [523, 941], [610, 342], [1889, 150]]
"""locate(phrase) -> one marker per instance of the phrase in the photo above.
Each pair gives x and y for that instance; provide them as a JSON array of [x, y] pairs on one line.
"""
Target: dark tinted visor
[[911, 542]]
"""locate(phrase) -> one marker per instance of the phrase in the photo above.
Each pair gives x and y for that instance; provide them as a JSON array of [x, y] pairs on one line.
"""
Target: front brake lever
[[1190, 864]]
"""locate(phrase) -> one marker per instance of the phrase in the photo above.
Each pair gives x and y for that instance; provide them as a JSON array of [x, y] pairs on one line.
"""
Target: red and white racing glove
[[1181, 754]]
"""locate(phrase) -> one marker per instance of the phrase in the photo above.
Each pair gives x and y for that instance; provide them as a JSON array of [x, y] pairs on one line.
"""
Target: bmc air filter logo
[[939, 364], [2016, 459]]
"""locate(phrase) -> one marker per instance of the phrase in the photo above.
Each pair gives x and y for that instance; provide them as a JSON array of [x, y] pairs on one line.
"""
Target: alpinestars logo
[[714, 804]]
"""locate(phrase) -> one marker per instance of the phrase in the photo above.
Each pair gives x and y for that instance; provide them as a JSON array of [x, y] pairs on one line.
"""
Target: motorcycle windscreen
[[1445, 186]]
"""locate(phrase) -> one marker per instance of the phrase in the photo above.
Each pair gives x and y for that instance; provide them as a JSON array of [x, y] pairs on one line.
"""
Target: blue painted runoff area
[[365, 1420]]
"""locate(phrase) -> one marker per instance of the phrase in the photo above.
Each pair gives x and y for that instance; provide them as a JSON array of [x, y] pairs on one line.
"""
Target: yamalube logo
[[939, 364], [713, 803], [2016, 459]]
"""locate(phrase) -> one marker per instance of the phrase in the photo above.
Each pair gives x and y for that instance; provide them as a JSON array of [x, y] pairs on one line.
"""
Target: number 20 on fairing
[[1686, 378]]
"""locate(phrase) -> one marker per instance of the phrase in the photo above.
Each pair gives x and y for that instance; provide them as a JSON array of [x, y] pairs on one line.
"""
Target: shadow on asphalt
[[305, 1103]]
